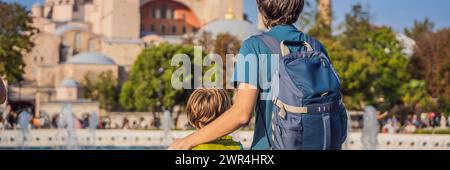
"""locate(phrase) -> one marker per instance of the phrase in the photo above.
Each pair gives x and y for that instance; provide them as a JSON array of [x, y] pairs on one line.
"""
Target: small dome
[[91, 58], [67, 82], [65, 28], [239, 28]]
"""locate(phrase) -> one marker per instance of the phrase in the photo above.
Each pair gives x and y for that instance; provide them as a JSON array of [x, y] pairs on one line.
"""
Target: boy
[[204, 106]]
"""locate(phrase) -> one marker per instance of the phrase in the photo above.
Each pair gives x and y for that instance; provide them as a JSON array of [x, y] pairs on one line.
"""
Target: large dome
[[91, 58], [239, 28]]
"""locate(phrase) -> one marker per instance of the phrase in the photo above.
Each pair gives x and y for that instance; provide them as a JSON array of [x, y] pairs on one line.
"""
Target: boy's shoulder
[[225, 143]]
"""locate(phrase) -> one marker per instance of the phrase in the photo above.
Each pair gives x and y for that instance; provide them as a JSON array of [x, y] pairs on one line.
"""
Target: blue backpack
[[308, 110]]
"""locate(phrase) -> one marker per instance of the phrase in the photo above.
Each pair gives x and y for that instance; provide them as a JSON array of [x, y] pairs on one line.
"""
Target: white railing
[[144, 138]]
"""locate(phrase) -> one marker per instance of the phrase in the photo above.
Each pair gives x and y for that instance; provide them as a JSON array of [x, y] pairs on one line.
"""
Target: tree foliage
[[15, 39], [369, 61], [431, 63], [420, 29], [149, 86], [102, 88]]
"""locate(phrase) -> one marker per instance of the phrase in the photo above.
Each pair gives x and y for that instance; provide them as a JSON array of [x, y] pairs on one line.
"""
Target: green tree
[[102, 88], [415, 95], [306, 18], [356, 28], [420, 29], [226, 44], [149, 87], [15, 34], [391, 64], [369, 61], [430, 62]]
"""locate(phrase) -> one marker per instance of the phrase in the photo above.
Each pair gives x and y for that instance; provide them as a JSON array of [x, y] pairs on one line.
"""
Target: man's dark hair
[[277, 12]]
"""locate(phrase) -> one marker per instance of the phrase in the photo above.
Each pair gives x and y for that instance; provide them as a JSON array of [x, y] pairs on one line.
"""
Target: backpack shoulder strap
[[270, 42], [313, 42]]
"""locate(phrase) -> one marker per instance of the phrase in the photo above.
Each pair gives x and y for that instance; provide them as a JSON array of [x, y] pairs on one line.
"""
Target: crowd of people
[[426, 120], [9, 121], [388, 124]]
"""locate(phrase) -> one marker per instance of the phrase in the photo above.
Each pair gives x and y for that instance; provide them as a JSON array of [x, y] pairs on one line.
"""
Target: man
[[279, 15]]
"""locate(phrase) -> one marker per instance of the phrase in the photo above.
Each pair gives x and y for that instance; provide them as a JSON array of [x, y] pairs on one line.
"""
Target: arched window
[[152, 28], [174, 29], [77, 41], [153, 13], [163, 12], [92, 46], [169, 13], [63, 53], [163, 29], [157, 13]]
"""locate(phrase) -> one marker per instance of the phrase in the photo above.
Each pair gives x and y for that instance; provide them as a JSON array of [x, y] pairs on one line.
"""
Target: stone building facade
[[79, 37]]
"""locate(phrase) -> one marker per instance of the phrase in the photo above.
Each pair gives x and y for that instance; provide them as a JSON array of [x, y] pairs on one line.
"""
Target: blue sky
[[397, 14]]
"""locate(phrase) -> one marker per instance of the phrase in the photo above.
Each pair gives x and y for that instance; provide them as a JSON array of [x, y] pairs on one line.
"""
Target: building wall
[[79, 71], [63, 12], [79, 42], [45, 52], [209, 10], [123, 54], [121, 18]]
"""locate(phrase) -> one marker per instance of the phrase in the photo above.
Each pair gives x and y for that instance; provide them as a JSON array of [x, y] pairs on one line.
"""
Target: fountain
[[369, 137], [167, 126], [66, 127], [93, 123], [24, 122]]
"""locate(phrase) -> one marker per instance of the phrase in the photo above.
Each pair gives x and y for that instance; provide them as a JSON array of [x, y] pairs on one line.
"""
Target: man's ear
[[2, 92]]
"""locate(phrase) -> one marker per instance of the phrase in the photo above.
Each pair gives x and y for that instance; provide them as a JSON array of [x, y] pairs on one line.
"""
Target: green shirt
[[225, 143]]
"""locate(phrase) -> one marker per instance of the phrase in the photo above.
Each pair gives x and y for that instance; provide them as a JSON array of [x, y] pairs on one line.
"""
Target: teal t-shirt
[[247, 64]]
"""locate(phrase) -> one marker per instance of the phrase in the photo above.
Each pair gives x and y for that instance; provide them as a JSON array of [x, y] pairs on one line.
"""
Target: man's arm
[[2, 92], [237, 116]]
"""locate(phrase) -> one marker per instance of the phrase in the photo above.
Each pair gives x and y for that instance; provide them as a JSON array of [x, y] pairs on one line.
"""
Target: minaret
[[37, 10], [325, 12]]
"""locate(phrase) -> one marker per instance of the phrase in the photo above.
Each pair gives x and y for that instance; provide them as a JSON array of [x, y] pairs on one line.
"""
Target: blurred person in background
[[443, 123], [389, 127], [2, 124], [2, 92], [410, 128], [142, 123], [448, 120], [125, 124], [12, 120], [415, 121], [424, 119]]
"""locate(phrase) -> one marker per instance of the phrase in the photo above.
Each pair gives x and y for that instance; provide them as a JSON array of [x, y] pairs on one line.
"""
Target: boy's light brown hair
[[205, 105], [278, 12]]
